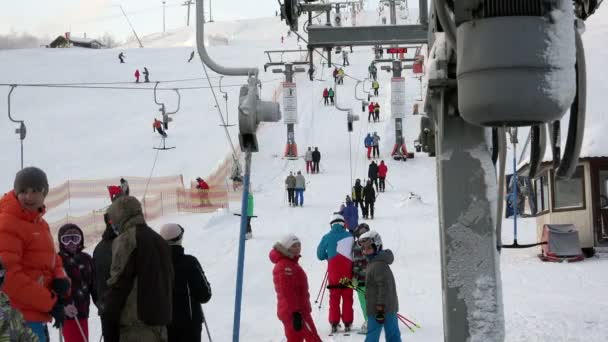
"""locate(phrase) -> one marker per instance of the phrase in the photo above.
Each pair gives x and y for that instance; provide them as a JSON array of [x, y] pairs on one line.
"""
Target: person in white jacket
[[300, 188], [308, 160]]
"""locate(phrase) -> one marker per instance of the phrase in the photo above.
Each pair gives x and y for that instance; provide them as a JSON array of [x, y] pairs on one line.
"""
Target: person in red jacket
[[204, 188], [291, 285], [326, 97], [136, 75], [382, 171], [35, 280], [158, 126], [370, 110]]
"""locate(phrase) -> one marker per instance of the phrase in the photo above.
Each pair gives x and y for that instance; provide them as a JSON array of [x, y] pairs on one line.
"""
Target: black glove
[[58, 314], [380, 314], [61, 286], [297, 321]]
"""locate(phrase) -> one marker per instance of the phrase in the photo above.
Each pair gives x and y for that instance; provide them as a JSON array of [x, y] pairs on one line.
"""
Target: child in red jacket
[[291, 285]]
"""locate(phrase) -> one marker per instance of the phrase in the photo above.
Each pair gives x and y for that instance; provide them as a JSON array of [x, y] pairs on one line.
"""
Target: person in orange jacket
[[158, 126], [35, 280]]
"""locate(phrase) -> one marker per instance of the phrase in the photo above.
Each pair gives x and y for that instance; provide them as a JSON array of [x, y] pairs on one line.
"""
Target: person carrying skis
[[12, 325], [204, 190], [358, 196], [190, 289], [351, 215], [336, 247], [382, 171], [376, 112], [372, 173], [359, 266], [375, 86], [370, 110], [146, 75], [80, 269], [35, 281], [102, 260], [291, 285], [121, 57], [326, 97], [136, 75], [376, 145], [290, 185], [308, 160], [331, 95], [369, 196], [300, 188], [368, 142], [316, 159], [380, 290], [157, 125]]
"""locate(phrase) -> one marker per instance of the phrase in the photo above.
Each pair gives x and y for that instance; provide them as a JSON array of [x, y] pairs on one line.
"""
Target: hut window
[[541, 189], [569, 193]]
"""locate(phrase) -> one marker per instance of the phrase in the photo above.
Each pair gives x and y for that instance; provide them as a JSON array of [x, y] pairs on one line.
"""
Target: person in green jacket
[[249, 215], [331, 95], [12, 325]]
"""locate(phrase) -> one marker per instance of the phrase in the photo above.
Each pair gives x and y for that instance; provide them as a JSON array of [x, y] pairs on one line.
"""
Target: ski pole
[[85, 339], [389, 183], [206, 326], [60, 333], [405, 323], [321, 288], [323, 294], [407, 319], [101, 338]]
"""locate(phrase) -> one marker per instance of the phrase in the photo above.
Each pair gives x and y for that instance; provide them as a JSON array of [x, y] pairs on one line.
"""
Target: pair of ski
[[340, 332]]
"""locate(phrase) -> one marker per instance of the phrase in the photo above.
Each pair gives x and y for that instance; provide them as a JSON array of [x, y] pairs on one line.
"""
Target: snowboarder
[[290, 185], [370, 110], [308, 160], [368, 142], [316, 159], [191, 57], [382, 170], [139, 256], [359, 266], [331, 95], [190, 289], [375, 86], [158, 126], [376, 112], [369, 196], [12, 325], [326, 97], [381, 298], [136, 75], [146, 75], [372, 173], [358, 196], [345, 58], [249, 235], [121, 57], [291, 286], [102, 259], [204, 191], [336, 248], [34, 279], [300, 188], [124, 186], [80, 269], [376, 145], [351, 214]]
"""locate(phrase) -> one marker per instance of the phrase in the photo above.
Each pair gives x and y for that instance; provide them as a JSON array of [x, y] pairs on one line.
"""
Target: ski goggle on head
[[73, 239], [365, 243]]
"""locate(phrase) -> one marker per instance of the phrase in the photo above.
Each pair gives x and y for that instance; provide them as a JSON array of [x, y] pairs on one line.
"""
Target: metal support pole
[[472, 295], [291, 136], [241, 255], [393, 10], [424, 12], [399, 141], [210, 13], [164, 27]]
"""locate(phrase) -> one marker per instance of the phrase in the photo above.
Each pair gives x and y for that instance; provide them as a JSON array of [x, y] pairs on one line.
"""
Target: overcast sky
[[52, 18]]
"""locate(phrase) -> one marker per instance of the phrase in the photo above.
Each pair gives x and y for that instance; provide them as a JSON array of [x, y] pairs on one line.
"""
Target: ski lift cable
[[121, 82]]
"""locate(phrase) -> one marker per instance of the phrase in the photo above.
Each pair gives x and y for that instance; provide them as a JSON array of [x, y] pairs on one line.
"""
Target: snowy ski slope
[[95, 133]]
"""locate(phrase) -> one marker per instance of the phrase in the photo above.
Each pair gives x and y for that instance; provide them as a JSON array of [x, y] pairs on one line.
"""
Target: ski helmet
[[337, 218], [371, 238], [361, 229]]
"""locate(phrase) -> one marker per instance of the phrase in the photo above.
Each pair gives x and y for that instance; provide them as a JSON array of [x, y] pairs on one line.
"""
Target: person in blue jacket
[[368, 142], [351, 214], [336, 247]]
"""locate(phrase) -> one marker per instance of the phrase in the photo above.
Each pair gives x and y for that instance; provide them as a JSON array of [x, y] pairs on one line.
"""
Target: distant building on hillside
[[67, 41]]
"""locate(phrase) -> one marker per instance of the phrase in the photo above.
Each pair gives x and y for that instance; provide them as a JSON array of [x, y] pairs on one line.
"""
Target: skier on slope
[[351, 215], [376, 145], [291, 286], [316, 159], [359, 266], [146, 75], [290, 186], [300, 188], [190, 289], [370, 110], [358, 196], [382, 171], [326, 97], [158, 126], [121, 57], [203, 187], [308, 160], [368, 143], [331, 95], [372, 173], [375, 86], [136, 75], [336, 248], [369, 197], [376, 112], [80, 269]]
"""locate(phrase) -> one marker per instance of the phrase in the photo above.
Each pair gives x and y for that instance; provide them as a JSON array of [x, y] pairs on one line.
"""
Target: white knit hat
[[172, 233], [289, 240]]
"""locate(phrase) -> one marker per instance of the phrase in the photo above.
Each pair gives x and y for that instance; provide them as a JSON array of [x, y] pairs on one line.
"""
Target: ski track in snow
[[96, 134]]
